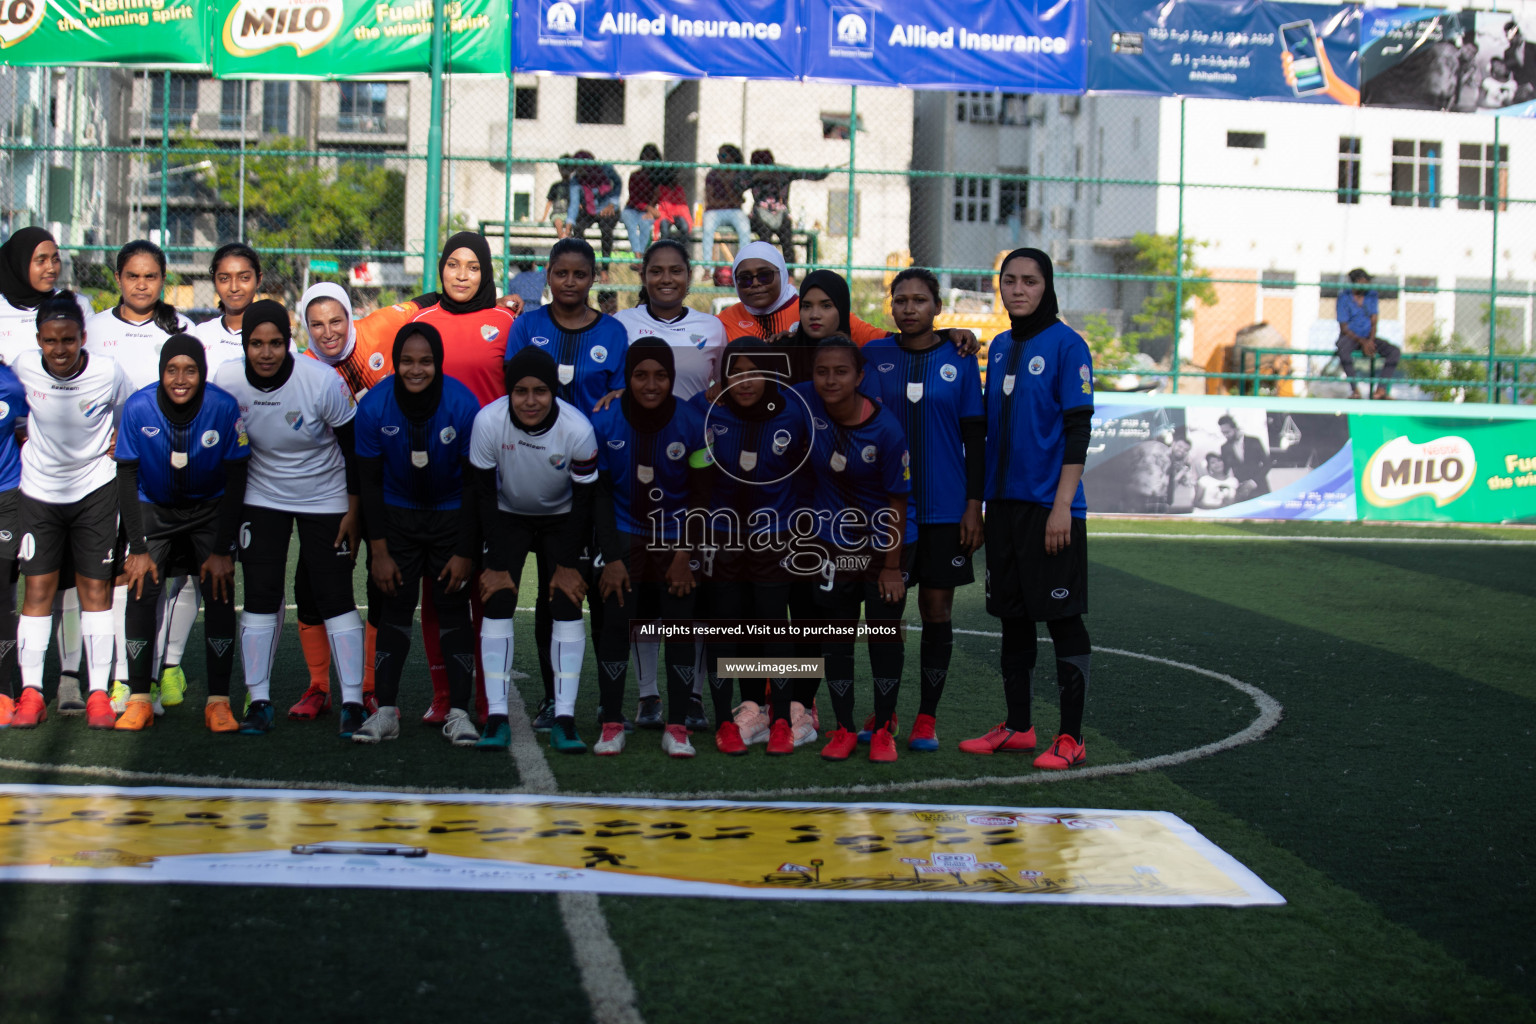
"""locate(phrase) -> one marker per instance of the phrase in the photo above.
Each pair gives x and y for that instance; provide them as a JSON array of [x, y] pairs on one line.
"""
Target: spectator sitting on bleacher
[[528, 283], [673, 217], [640, 208], [1357, 315], [724, 192], [557, 201], [595, 190], [770, 201]]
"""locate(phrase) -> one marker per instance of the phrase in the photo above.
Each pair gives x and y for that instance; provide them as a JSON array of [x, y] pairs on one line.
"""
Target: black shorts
[[264, 537], [10, 531], [941, 562], [421, 541], [87, 528], [181, 539], [540, 536], [1024, 581]]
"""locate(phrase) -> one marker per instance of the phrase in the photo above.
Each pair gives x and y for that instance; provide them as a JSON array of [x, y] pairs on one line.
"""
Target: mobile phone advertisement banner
[[154, 33], [1222, 49], [1012, 45], [353, 38], [757, 39]]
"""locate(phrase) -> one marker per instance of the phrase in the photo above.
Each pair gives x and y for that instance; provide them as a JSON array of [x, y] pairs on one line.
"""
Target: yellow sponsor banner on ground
[[634, 847]]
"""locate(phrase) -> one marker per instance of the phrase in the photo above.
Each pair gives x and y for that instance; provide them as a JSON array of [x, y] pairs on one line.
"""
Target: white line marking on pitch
[[1316, 539]]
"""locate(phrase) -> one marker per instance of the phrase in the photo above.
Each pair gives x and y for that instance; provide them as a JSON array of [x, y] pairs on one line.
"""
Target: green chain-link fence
[[1238, 221]]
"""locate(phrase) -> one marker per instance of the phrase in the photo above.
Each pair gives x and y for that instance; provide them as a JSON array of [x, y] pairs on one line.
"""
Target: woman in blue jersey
[[182, 456], [861, 502], [934, 392], [652, 470], [1039, 418], [413, 432], [13, 412], [759, 434], [588, 350]]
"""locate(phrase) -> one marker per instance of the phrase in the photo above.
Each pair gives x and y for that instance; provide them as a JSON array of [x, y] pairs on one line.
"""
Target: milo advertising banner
[[351, 38], [1458, 470], [1254, 458], [156, 33]]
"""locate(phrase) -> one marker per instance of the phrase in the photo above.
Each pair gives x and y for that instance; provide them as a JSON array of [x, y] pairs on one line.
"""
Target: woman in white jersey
[[298, 416], [697, 339], [68, 500], [236, 273], [131, 333], [29, 271]]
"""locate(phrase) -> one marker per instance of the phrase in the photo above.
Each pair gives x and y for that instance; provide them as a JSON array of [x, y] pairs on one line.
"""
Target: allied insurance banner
[[756, 39], [1221, 458], [149, 33], [1013, 45], [516, 843], [352, 38], [1225, 49]]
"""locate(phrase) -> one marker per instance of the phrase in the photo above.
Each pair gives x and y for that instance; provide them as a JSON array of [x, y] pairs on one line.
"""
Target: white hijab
[[768, 254], [328, 290]]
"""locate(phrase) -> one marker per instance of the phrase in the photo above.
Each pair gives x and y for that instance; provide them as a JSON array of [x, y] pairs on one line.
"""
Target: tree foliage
[[1152, 327]]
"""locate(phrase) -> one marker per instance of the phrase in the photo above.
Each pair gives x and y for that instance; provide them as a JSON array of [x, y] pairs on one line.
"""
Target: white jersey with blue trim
[[134, 347], [220, 344], [69, 427], [697, 339], [534, 471], [18, 328]]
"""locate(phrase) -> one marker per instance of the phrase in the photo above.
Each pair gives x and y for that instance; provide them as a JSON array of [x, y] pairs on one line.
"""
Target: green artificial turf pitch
[[1391, 807]]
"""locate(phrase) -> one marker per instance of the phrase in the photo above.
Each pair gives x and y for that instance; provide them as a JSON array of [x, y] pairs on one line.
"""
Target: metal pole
[[165, 156], [1493, 269], [853, 147], [434, 153], [1178, 261], [506, 223], [245, 97]]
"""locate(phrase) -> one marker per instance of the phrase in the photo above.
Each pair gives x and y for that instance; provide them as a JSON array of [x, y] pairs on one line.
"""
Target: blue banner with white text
[[756, 39], [1226, 49], [1012, 45]]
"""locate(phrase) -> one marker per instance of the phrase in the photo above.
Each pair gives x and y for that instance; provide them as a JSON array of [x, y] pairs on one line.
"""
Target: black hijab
[[1045, 314], [836, 287], [540, 365], [755, 349], [16, 268], [418, 408], [182, 345], [485, 297], [267, 311], [649, 420]]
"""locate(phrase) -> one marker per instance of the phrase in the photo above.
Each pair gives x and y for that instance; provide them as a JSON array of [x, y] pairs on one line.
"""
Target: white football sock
[[258, 642], [646, 656], [496, 657], [96, 635], [345, 632], [31, 646], [176, 626], [567, 647], [119, 633]]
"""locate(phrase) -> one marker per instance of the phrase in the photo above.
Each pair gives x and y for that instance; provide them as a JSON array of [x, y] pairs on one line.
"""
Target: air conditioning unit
[[1070, 104], [1061, 218], [1061, 253], [1035, 108], [1033, 219]]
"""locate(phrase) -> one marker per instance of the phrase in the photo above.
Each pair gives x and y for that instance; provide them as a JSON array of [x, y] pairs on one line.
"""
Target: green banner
[[354, 39], [1427, 469], [160, 33]]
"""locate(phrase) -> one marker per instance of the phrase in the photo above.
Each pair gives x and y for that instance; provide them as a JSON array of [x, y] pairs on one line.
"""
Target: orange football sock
[[317, 654]]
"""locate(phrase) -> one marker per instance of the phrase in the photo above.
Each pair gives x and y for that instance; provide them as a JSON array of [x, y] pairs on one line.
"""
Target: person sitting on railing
[[1357, 330], [724, 192], [557, 201], [639, 211], [770, 201], [595, 190]]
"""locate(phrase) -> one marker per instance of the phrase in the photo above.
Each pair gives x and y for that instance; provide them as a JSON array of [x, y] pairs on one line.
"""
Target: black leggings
[[647, 600], [8, 623], [1020, 649], [141, 625], [398, 621], [264, 561], [841, 603], [734, 601]]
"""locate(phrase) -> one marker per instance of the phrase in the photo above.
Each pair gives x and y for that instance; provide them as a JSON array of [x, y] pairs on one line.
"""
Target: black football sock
[[934, 651], [1019, 650]]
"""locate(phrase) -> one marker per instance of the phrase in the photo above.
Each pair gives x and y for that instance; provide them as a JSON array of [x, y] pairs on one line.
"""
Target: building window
[[599, 101], [1349, 170], [177, 108], [233, 103], [1277, 280], [838, 125], [973, 200], [991, 107], [180, 228], [526, 103], [837, 212], [361, 107], [1415, 173], [1477, 183], [1012, 200], [1245, 140], [274, 107]]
